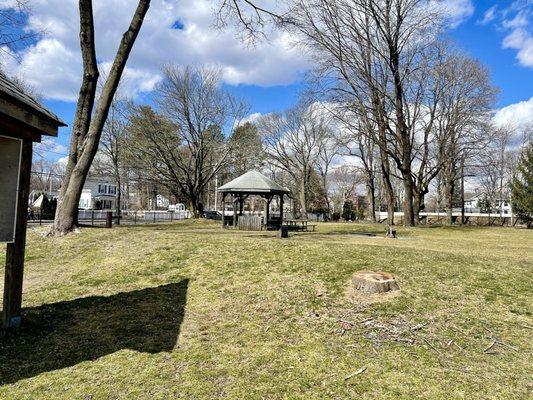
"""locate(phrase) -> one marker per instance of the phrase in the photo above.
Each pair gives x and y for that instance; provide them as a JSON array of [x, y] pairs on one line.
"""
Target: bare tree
[[247, 149], [465, 97], [371, 51], [45, 175], [184, 146], [344, 181], [87, 126], [292, 141], [328, 150], [249, 15], [112, 142], [495, 169], [358, 142]]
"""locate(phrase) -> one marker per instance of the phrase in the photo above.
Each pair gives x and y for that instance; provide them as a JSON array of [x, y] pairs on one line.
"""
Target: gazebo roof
[[253, 182]]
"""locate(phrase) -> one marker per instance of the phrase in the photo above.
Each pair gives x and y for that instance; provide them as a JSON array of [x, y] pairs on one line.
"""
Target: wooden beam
[[15, 251], [41, 124], [13, 128]]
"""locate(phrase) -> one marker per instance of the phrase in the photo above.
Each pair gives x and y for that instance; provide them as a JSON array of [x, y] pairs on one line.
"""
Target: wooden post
[[234, 212], [269, 199], [15, 251], [281, 208], [223, 209], [109, 219]]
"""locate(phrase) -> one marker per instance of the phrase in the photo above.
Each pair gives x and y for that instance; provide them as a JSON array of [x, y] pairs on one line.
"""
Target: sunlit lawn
[[187, 310]]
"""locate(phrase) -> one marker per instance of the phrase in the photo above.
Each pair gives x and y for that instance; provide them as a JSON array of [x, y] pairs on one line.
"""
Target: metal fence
[[127, 217]]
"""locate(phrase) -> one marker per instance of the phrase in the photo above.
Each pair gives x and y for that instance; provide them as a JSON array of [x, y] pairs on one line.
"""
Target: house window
[[112, 189]]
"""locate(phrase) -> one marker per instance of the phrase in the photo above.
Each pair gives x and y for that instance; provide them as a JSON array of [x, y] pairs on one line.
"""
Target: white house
[[473, 204], [98, 195]]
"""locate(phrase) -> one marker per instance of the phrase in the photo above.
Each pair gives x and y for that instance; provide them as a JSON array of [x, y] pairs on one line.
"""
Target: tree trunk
[[87, 129], [419, 202], [408, 211], [449, 192], [463, 219], [371, 196], [193, 206], [387, 185], [118, 202], [302, 198]]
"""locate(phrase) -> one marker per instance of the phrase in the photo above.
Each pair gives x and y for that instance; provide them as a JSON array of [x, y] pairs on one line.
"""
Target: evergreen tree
[[348, 212], [522, 187]]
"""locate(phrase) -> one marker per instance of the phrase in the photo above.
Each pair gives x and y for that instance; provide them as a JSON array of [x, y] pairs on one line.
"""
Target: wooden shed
[[23, 121]]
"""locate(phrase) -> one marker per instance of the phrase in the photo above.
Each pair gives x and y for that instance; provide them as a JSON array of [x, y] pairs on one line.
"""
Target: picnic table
[[299, 225]]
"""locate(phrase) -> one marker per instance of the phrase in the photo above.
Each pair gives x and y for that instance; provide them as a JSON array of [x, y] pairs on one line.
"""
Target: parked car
[[214, 215]]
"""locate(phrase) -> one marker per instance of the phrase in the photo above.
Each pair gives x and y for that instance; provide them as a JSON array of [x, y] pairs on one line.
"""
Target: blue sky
[[484, 42], [498, 33]]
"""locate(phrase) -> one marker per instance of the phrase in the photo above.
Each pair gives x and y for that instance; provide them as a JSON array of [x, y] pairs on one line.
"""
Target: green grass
[[187, 310]]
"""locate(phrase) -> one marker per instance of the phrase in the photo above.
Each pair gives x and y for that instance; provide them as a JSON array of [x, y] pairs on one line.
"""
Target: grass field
[[187, 310]]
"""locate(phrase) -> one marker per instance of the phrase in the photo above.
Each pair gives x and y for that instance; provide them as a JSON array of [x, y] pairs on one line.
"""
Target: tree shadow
[[59, 335]]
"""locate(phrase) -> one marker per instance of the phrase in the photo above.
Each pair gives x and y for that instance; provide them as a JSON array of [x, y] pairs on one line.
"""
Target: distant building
[[472, 203], [98, 195], [479, 203], [177, 207]]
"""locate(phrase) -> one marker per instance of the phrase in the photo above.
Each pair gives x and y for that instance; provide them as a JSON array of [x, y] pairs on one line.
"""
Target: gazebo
[[252, 183]]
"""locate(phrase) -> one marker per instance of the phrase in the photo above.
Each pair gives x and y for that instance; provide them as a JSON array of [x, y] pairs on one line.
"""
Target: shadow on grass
[[60, 335]]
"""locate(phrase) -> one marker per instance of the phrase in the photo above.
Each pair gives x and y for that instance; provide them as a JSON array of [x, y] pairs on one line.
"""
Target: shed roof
[[253, 182], [18, 105]]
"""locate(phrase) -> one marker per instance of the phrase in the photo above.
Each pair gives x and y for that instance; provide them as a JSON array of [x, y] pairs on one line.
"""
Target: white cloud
[[489, 15], [252, 118], [522, 41], [514, 20], [53, 64], [457, 11], [515, 116]]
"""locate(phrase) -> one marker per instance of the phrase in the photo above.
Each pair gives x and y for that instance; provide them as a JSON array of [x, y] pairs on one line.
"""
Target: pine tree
[[522, 187], [347, 210]]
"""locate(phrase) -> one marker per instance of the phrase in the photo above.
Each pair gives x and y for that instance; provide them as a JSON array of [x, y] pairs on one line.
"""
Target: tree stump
[[371, 282]]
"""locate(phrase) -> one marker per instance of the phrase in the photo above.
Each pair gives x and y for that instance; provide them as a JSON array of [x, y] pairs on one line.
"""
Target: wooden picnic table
[[299, 224]]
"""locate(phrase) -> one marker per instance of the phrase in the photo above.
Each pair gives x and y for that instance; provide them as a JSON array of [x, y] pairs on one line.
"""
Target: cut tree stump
[[371, 282]]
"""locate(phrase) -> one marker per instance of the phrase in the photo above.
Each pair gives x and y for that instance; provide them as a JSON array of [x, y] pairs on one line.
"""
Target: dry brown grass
[[186, 310]]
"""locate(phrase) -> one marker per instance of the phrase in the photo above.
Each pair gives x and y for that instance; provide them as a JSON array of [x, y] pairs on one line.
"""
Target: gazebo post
[[241, 204], [224, 210], [234, 212], [281, 208], [269, 199]]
